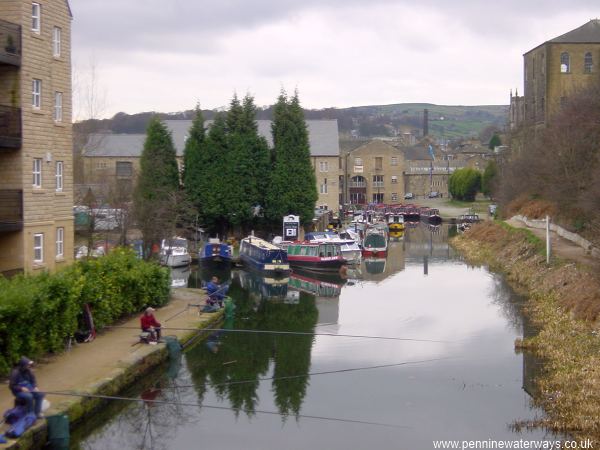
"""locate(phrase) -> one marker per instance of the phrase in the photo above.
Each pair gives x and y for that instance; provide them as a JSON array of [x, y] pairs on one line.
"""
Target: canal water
[[453, 376]]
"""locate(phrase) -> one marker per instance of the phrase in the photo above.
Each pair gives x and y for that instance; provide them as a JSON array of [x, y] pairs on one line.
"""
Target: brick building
[[553, 71], [36, 200]]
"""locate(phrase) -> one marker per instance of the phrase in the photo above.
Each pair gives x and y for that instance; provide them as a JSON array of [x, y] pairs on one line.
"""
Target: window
[[36, 17], [101, 165], [38, 247], [37, 172], [124, 169], [36, 99], [588, 63], [394, 179], [394, 161], [323, 166], [378, 197], [358, 161], [377, 181], [56, 41], [58, 112], [394, 196], [59, 176], [565, 63], [60, 242], [324, 187], [378, 163]]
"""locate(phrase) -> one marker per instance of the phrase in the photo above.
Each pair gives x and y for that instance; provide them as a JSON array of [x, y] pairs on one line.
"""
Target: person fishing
[[23, 385], [150, 325], [216, 292]]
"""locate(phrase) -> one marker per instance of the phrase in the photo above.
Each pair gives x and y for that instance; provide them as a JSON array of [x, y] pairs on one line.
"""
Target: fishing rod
[[225, 286], [292, 333], [326, 372], [222, 408]]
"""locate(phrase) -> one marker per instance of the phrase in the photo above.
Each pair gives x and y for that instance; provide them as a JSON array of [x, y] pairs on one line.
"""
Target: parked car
[[409, 196], [492, 209], [434, 194]]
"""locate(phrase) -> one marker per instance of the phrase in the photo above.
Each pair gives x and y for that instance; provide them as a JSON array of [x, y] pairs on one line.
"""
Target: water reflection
[[470, 387]]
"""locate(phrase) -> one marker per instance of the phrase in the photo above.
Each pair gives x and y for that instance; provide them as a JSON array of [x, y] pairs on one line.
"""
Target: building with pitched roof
[[36, 200], [115, 157], [553, 71]]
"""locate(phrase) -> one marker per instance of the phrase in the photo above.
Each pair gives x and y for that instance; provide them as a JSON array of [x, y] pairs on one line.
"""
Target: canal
[[452, 374]]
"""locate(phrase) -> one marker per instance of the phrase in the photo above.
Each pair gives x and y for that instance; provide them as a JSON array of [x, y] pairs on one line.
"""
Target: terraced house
[[36, 200]]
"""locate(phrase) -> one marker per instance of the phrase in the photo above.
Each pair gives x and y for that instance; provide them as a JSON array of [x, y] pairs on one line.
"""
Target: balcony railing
[[11, 209], [10, 43], [358, 184], [10, 127], [377, 184]]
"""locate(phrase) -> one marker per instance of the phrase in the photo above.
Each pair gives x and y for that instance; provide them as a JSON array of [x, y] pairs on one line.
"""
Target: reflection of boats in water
[[179, 276], [374, 265], [396, 236], [321, 287], [265, 286]]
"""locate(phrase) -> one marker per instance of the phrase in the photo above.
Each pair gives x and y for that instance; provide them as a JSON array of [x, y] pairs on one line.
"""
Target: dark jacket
[[22, 376]]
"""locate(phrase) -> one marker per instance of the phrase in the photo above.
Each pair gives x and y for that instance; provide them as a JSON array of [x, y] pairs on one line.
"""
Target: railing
[[10, 43], [10, 127], [11, 209], [377, 184], [358, 184]]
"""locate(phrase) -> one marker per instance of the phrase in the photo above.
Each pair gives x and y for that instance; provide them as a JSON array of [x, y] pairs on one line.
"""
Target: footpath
[[108, 364], [559, 246]]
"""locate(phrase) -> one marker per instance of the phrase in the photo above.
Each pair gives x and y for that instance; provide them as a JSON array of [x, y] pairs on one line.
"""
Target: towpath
[[86, 367], [560, 246]]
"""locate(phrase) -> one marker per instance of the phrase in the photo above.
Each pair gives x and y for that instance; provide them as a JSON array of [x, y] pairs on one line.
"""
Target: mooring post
[[547, 239]]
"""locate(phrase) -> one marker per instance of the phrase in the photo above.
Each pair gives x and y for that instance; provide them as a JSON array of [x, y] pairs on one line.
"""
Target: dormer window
[[565, 63], [588, 63]]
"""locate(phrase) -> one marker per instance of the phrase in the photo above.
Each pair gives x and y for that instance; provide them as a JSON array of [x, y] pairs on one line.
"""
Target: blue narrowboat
[[260, 255], [216, 251]]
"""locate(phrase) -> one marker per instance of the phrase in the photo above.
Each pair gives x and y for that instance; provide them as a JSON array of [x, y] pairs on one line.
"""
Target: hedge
[[38, 313]]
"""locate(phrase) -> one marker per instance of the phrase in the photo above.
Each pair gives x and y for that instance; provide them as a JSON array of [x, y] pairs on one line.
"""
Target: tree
[[464, 184], [488, 179], [157, 186], [494, 142], [293, 187], [194, 162]]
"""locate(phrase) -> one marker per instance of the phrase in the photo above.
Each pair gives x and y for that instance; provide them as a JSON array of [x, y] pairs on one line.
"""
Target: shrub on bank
[[38, 313]]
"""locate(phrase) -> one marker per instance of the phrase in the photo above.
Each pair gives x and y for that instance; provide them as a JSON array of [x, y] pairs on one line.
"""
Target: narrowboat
[[216, 251], [375, 242], [395, 222], [258, 254], [431, 215], [315, 256], [410, 213], [351, 251], [174, 252]]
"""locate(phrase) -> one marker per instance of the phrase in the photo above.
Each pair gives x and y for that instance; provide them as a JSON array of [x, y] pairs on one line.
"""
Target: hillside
[[448, 122]]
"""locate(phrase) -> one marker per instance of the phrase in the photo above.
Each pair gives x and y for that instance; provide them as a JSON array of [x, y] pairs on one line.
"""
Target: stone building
[[111, 160], [372, 173], [553, 71], [36, 201]]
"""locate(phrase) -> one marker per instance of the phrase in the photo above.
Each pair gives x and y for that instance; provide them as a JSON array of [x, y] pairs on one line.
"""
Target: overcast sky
[[166, 55]]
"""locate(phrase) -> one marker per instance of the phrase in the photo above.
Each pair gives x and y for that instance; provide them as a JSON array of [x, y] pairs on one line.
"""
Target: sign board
[[291, 228]]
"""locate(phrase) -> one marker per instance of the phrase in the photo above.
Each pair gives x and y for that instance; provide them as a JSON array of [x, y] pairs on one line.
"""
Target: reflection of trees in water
[[510, 303], [228, 357]]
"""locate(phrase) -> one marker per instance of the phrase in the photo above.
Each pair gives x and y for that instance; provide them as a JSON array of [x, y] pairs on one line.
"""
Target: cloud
[[167, 54]]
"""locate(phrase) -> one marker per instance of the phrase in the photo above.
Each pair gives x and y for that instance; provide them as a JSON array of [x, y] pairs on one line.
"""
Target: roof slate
[[587, 33], [323, 138]]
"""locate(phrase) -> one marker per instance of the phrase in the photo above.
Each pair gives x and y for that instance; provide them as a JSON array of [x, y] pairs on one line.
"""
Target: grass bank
[[564, 304]]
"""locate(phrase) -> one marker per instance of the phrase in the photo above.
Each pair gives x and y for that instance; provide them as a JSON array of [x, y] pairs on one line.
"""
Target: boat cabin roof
[[253, 240]]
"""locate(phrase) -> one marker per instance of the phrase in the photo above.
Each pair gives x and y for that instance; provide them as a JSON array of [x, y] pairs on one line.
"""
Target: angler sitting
[[216, 293], [23, 385], [150, 325]]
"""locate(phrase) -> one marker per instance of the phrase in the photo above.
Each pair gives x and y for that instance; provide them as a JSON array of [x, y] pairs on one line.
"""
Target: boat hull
[[375, 252], [265, 267], [176, 260], [323, 265]]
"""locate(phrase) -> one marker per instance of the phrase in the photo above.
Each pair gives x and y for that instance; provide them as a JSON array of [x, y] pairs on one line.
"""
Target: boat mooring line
[[292, 333], [326, 372], [222, 408]]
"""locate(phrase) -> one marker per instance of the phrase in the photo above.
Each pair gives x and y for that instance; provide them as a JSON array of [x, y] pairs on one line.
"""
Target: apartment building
[[36, 191]]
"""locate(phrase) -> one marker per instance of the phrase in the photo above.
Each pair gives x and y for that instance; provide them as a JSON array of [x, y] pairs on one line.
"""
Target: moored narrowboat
[[258, 254], [375, 242], [315, 256], [216, 251]]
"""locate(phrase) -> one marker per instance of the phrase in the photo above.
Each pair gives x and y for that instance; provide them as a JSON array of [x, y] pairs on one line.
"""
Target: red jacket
[[148, 321]]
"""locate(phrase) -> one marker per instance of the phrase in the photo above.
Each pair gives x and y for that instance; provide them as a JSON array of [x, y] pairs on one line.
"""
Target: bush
[[464, 184], [38, 313]]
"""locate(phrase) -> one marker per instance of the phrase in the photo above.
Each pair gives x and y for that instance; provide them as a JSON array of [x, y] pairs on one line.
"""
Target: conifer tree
[[157, 185], [194, 162], [293, 187]]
